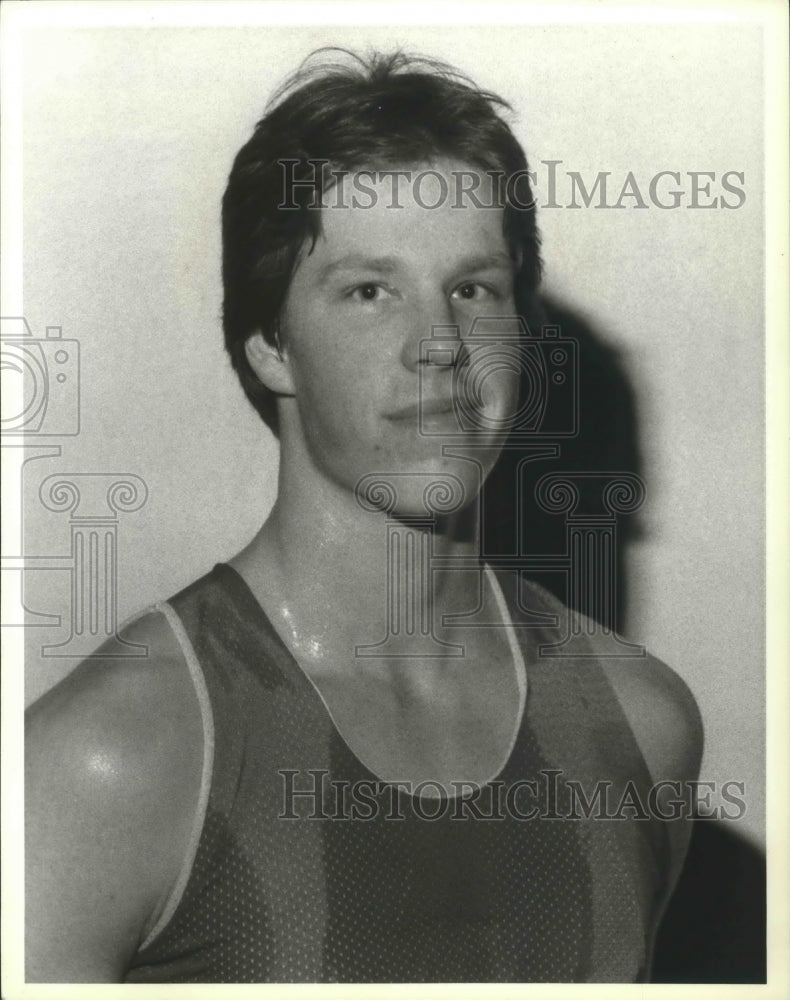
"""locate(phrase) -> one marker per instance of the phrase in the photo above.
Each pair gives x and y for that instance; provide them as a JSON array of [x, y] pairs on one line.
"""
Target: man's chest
[[425, 721]]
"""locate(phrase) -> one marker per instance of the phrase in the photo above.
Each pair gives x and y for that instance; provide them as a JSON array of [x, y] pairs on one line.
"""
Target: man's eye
[[472, 290], [368, 292]]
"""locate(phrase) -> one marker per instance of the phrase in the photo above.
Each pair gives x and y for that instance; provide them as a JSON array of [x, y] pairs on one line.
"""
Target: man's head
[[384, 112]]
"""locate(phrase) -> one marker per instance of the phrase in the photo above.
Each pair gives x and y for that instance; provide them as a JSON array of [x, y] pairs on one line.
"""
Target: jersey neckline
[[238, 583]]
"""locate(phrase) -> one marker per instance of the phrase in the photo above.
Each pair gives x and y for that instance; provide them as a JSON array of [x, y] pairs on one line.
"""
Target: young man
[[326, 770]]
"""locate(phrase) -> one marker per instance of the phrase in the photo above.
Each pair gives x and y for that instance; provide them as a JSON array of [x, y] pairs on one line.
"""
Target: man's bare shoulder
[[113, 772], [661, 711], [656, 701], [663, 714], [141, 707]]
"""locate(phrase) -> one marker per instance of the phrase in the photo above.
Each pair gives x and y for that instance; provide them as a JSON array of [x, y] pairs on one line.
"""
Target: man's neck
[[336, 576]]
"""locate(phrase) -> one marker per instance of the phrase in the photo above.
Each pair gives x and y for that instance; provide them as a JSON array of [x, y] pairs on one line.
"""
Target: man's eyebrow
[[386, 265], [356, 262], [483, 262]]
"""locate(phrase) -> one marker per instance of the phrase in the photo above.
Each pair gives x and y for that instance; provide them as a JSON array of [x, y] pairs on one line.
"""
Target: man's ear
[[269, 364]]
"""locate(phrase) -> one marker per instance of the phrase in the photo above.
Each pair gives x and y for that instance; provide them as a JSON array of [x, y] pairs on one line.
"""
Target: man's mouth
[[425, 407]]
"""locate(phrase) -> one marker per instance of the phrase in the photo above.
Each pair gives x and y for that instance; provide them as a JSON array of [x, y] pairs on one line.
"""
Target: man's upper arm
[[667, 726], [112, 777]]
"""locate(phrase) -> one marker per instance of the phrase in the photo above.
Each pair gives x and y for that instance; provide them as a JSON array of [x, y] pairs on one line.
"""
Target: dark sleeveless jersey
[[305, 867]]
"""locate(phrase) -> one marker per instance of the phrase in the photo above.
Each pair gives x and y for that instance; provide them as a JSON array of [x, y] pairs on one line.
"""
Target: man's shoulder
[[663, 715], [123, 725], [657, 703], [139, 680], [113, 770]]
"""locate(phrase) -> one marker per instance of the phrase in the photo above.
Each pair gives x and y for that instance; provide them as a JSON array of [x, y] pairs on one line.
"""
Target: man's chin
[[433, 488]]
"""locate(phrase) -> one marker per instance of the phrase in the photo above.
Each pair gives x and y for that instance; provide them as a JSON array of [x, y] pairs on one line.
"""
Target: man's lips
[[426, 407]]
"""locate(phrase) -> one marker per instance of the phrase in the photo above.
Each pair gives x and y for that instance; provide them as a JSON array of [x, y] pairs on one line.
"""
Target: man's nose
[[433, 338]]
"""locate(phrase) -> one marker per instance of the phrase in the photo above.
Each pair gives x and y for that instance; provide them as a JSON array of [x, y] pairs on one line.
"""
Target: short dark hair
[[365, 112]]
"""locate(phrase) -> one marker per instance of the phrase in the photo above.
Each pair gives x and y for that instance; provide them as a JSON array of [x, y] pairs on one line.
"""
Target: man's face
[[358, 312]]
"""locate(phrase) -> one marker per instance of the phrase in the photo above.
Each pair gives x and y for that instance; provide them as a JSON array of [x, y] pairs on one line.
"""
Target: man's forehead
[[367, 221]]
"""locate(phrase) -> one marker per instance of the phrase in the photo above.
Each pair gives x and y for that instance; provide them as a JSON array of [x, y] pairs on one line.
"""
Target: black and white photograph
[[394, 435]]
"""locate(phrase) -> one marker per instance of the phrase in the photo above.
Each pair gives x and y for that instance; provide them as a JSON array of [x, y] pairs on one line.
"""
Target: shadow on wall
[[714, 928], [606, 442]]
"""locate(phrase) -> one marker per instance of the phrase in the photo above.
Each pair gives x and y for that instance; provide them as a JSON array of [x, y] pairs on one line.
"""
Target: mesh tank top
[[357, 880]]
